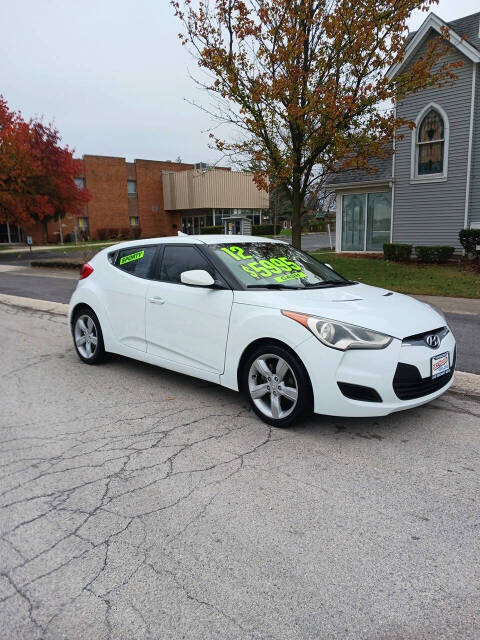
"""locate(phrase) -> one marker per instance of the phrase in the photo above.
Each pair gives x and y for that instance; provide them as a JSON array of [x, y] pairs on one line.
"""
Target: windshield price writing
[[283, 267]]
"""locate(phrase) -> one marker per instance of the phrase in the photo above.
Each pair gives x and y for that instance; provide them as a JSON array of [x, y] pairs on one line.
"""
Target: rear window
[[136, 260]]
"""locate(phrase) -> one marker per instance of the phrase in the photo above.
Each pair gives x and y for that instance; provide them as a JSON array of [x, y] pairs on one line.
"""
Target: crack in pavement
[[138, 503]]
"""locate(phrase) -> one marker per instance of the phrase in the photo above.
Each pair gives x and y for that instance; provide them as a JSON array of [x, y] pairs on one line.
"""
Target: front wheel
[[87, 337], [278, 386]]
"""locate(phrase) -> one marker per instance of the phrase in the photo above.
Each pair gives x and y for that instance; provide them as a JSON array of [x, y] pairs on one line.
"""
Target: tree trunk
[[296, 215], [45, 231]]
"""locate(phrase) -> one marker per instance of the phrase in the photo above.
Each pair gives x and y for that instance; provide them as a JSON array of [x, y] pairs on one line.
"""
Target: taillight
[[85, 271]]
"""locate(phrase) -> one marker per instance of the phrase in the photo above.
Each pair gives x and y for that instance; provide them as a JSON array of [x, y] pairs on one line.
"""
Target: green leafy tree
[[304, 81]]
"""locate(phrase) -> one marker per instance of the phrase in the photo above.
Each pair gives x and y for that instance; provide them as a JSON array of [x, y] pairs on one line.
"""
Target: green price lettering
[[270, 266], [237, 253], [248, 269], [290, 276], [267, 267]]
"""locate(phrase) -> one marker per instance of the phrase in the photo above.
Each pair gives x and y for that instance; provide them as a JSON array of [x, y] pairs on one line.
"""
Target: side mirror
[[197, 278]]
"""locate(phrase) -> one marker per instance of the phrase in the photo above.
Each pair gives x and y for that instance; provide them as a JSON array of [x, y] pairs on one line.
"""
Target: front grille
[[358, 392], [408, 384], [419, 338]]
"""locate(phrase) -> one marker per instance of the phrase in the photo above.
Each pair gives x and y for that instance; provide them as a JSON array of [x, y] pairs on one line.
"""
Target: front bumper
[[374, 369]]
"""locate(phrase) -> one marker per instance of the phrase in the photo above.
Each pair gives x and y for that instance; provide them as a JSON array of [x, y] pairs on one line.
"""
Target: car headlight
[[340, 335]]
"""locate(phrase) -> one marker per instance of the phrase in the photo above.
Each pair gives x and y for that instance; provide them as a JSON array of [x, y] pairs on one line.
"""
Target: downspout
[[393, 174], [470, 145]]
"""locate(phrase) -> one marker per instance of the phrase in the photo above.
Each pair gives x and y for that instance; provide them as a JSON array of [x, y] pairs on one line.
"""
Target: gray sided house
[[429, 188]]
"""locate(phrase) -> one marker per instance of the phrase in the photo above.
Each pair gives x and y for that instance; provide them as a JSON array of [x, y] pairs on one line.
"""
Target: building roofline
[[360, 183], [432, 21]]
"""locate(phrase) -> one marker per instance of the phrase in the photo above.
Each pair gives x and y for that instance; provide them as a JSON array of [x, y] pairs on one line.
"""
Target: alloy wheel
[[273, 386], [86, 336]]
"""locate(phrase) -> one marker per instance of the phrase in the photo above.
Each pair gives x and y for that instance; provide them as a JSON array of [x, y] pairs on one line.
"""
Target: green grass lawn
[[66, 247], [434, 280], [83, 246]]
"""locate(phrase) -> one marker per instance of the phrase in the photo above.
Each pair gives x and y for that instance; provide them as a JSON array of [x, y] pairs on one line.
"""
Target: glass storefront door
[[353, 222], [366, 220], [379, 218], [191, 224]]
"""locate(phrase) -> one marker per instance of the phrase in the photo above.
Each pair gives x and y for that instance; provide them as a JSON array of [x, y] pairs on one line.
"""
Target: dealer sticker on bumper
[[440, 365]]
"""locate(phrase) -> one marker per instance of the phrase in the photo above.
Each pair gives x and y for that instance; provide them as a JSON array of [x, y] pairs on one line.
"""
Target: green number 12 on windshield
[[237, 253]]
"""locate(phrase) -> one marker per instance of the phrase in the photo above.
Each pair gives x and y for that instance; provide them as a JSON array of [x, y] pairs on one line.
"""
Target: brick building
[[128, 200]]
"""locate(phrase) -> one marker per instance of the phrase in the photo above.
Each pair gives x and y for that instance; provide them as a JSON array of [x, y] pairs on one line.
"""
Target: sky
[[113, 76]]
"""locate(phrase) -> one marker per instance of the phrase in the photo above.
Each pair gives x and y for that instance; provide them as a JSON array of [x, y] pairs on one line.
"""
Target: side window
[[179, 259], [136, 260]]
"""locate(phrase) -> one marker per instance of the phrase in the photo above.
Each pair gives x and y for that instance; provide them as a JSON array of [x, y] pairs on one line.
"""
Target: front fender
[[249, 323]]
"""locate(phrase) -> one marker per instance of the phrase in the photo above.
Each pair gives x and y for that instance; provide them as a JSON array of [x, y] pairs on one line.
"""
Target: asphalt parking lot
[[138, 503]]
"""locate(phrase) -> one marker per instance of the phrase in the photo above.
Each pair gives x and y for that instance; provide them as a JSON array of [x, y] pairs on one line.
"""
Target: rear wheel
[[278, 386], [87, 337]]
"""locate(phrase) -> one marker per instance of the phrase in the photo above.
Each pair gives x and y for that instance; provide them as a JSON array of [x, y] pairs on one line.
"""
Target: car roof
[[190, 239], [224, 239]]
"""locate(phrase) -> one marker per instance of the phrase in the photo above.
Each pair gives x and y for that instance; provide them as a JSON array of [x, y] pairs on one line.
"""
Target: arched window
[[430, 144]]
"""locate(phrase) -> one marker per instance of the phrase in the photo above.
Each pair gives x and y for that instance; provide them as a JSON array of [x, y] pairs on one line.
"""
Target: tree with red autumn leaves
[[36, 172], [304, 82]]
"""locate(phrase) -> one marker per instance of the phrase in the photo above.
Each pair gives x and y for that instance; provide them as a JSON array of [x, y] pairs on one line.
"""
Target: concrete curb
[[465, 383], [47, 306]]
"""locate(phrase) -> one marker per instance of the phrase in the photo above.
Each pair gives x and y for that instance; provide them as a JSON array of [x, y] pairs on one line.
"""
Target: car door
[[187, 325], [124, 293]]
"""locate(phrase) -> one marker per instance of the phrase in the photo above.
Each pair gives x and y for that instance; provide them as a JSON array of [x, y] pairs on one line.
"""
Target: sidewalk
[[69, 246], [464, 306], [44, 272]]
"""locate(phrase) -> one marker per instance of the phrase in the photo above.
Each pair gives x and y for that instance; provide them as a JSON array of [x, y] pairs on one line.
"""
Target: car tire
[[277, 385], [88, 337]]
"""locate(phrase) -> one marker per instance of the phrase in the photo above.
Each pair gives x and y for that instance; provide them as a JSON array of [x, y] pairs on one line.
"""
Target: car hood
[[391, 313]]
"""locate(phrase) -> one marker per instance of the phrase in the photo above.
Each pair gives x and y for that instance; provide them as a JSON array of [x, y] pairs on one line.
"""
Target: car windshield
[[276, 265]]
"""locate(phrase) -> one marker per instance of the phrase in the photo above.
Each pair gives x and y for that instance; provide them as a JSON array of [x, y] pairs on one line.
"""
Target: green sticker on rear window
[[132, 256]]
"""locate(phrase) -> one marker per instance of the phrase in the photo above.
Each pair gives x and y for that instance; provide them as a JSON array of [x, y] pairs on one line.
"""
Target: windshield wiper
[[270, 285], [329, 283]]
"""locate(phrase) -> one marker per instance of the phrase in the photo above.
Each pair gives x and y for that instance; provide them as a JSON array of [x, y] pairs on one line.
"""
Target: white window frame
[[359, 189], [132, 194], [415, 147]]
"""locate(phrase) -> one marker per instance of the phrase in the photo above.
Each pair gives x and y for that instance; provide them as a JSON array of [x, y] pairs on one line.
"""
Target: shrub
[[102, 234], [397, 252], [123, 233], [319, 226], [135, 232], [112, 234], [264, 229], [436, 253], [469, 239], [218, 228]]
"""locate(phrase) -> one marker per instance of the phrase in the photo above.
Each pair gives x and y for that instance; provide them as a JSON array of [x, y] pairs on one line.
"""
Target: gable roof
[[468, 27], [464, 35], [347, 177]]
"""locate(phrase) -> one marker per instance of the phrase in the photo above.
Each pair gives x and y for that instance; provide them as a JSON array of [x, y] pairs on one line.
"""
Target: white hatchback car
[[256, 315]]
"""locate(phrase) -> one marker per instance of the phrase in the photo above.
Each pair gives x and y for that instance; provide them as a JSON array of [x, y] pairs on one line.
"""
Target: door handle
[[156, 300]]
